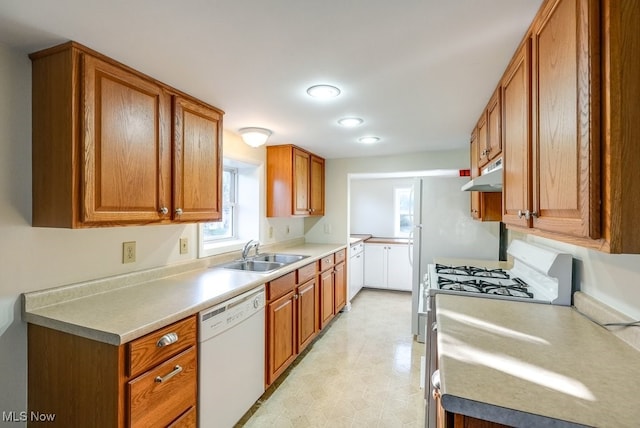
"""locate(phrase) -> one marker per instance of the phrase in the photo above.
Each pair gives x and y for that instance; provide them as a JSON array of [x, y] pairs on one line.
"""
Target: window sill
[[216, 248]]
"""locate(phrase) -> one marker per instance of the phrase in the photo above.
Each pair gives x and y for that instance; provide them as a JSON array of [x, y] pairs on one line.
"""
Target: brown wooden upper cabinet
[[485, 206], [295, 182], [517, 155], [552, 141], [112, 146], [489, 131], [569, 126]]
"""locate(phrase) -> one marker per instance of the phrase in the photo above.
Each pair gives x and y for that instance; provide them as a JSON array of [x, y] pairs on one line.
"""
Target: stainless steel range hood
[[489, 181]]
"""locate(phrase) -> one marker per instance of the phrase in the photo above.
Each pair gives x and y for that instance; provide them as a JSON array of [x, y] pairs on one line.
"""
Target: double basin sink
[[264, 262]]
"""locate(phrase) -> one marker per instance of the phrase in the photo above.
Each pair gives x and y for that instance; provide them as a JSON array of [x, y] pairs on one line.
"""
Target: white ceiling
[[418, 72]]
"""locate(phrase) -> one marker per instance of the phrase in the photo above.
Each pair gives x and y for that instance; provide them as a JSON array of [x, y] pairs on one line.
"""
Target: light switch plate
[[184, 245]]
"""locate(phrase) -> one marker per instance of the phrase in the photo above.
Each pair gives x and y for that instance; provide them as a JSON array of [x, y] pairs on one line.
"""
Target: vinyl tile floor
[[363, 371]]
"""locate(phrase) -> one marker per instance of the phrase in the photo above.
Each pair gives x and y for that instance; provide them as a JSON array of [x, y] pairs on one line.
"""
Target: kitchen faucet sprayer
[[247, 247]]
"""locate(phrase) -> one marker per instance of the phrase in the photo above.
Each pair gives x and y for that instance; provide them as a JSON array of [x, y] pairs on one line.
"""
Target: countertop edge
[[501, 415], [117, 337]]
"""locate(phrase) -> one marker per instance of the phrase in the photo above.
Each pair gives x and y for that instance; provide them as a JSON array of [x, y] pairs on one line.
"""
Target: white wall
[[337, 182], [614, 279], [39, 258], [372, 205]]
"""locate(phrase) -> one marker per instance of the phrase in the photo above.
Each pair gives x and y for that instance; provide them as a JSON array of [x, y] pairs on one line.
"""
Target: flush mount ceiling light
[[323, 91], [350, 122], [368, 140], [255, 137]]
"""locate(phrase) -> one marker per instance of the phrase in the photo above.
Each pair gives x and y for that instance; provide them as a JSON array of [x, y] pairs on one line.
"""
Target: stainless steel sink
[[254, 265], [264, 262], [279, 258]]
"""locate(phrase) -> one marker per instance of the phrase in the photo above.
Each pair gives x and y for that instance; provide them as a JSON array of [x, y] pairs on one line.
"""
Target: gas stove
[[539, 274]]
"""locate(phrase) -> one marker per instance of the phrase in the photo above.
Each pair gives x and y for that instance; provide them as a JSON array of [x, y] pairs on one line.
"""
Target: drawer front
[[159, 396], [188, 419], [148, 351], [281, 286], [340, 255], [306, 273], [326, 262]]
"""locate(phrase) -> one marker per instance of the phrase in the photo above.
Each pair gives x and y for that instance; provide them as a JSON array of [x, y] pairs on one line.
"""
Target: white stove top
[[539, 274]]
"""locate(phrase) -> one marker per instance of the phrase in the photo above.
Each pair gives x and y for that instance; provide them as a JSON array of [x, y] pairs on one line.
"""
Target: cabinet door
[[326, 297], [399, 267], [516, 126], [566, 138], [340, 286], [300, 182], [307, 302], [197, 162], [494, 125], [281, 335], [375, 272], [316, 186], [126, 171], [482, 141], [475, 172]]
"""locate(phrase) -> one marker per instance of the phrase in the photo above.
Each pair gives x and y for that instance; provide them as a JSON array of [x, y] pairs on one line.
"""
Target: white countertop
[[119, 315], [528, 364]]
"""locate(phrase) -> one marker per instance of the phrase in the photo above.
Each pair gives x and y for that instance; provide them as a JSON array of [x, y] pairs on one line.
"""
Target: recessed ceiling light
[[350, 122], [368, 140], [323, 91]]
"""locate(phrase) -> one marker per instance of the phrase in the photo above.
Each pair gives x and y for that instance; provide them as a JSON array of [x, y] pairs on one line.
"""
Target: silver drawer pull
[[177, 369], [167, 339]]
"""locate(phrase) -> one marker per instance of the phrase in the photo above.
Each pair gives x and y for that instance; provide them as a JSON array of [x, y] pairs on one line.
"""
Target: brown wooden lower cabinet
[[455, 420], [89, 383], [281, 335], [327, 309], [299, 305]]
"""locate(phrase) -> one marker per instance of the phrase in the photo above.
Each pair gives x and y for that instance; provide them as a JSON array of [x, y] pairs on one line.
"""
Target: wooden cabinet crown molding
[[104, 139]]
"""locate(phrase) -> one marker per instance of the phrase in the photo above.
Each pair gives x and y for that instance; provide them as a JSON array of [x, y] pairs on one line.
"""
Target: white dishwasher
[[231, 359]]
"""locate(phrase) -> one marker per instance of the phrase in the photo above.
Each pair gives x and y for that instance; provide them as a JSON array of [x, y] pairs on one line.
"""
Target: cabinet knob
[[178, 211], [295, 296], [164, 210], [520, 214]]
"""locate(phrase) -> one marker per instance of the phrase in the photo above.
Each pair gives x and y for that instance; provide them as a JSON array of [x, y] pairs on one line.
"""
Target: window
[[403, 211], [225, 229], [240, 210]]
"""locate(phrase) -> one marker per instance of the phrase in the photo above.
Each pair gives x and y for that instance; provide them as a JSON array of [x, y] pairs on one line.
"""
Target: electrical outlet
[[327, 228], [184, 245], [129, 252], [270, 231]]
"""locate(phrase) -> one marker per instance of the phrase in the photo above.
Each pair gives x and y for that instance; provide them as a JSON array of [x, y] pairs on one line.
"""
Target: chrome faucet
[[248, 246]]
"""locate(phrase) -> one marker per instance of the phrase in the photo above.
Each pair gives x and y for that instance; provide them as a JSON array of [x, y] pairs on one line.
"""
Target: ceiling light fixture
[[255, 137], [350, 122], [323, 91], [368, 140]]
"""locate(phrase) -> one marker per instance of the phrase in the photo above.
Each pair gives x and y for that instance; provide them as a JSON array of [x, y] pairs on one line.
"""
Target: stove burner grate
[[472, 271], [515, 288]]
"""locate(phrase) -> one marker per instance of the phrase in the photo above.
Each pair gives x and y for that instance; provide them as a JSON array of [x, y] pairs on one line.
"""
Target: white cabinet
[[387, 266], [356, 269]]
